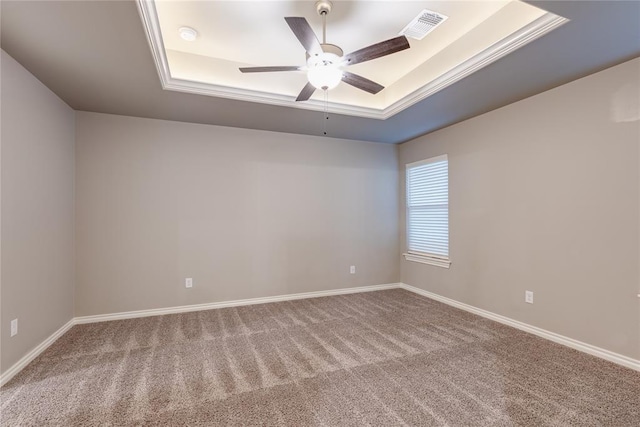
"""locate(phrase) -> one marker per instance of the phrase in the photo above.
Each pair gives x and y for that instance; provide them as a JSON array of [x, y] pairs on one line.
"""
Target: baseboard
[[552, 336], [24, 361], [35, 352], [236, 303], [560, 339]]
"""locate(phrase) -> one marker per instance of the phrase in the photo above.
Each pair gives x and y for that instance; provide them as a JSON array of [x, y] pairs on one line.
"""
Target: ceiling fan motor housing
[[332, 48], [329, 48]]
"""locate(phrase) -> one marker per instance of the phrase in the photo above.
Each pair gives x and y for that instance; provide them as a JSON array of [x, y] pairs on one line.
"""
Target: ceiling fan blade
[[305, 34], [361, 83], [377, 50], [268, 69], [306, 92]]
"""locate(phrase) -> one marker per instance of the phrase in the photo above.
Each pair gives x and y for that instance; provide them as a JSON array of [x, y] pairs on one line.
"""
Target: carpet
[[385, 358]]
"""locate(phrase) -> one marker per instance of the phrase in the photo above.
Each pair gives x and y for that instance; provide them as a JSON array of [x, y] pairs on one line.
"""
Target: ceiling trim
[[536, 29], [527, 34]]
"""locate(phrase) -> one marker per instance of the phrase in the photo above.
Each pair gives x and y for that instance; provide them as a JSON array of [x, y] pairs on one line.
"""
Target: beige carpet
[[382, 358]]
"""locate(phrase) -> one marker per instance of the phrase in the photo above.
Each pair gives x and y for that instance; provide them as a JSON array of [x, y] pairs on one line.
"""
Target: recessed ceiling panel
[[234, 34]]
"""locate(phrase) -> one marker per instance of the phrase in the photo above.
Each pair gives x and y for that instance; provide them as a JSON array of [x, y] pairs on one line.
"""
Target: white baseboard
[[569, 342], [24, 361], [552, 336], [27, 358], [223, 304]]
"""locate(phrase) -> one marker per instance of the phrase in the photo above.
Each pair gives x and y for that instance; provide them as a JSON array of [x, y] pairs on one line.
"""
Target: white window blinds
[[428, 208]]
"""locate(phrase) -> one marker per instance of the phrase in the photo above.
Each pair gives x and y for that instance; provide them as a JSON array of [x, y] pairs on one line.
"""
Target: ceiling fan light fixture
[[325, 77], [323, 71]]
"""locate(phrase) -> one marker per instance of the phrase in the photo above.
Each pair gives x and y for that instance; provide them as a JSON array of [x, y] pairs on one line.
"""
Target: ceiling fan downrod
[[323, 7]]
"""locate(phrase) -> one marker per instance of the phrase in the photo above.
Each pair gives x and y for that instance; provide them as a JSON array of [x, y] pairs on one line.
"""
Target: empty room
[[320, 213]]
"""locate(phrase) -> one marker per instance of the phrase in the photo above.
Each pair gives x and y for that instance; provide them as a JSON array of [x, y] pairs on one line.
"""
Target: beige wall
[[244, 213], [544, 196], [37, 228]]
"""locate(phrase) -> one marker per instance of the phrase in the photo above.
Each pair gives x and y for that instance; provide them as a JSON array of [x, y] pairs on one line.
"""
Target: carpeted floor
[[382, 358]]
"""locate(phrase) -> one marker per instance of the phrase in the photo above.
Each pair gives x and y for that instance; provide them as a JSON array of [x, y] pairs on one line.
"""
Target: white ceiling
[[95, 56], [232, 34]]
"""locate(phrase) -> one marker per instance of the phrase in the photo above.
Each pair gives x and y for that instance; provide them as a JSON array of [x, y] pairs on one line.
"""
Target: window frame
[[423, 257]]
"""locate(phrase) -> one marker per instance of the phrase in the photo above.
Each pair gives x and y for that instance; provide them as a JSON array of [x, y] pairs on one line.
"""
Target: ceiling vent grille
[[423, 24]]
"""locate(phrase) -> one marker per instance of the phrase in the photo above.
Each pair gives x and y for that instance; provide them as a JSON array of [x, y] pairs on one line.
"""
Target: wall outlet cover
[[188, 282], [14, 327], [528, 297]]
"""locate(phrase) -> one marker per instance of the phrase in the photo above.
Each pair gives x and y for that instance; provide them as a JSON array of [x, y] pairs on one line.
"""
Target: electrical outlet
[[528, 297], [14, 327], [352, 270], [188, 282]]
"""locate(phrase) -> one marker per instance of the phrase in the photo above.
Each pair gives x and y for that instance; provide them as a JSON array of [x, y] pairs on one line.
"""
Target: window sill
[[424, 259]]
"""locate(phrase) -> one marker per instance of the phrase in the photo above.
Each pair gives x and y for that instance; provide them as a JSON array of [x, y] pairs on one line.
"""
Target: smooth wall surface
[[37, 223], [244, 213], [544, 196]]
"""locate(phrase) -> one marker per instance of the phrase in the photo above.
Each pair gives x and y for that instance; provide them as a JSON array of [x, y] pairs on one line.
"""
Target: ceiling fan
[[325, 62]]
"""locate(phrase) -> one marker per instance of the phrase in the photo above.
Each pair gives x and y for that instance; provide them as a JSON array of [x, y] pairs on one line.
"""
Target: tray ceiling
[[233, 34], [95, 56]]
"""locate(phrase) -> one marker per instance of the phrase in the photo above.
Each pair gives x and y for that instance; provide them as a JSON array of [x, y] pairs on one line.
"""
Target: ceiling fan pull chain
[[325, 112]]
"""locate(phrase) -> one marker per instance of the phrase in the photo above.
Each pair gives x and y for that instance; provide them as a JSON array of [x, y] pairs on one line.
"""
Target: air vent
[[423, 24]]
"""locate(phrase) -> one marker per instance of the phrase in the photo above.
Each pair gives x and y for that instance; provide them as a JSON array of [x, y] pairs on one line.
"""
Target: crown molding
[[149, 17], [536, 29]]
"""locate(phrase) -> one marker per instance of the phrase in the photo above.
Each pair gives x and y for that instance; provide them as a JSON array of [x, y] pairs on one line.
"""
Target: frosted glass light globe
[[324, 72], [324, 77]]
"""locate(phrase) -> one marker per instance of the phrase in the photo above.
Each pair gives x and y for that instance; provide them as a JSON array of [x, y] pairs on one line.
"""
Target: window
[[428, 211]]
